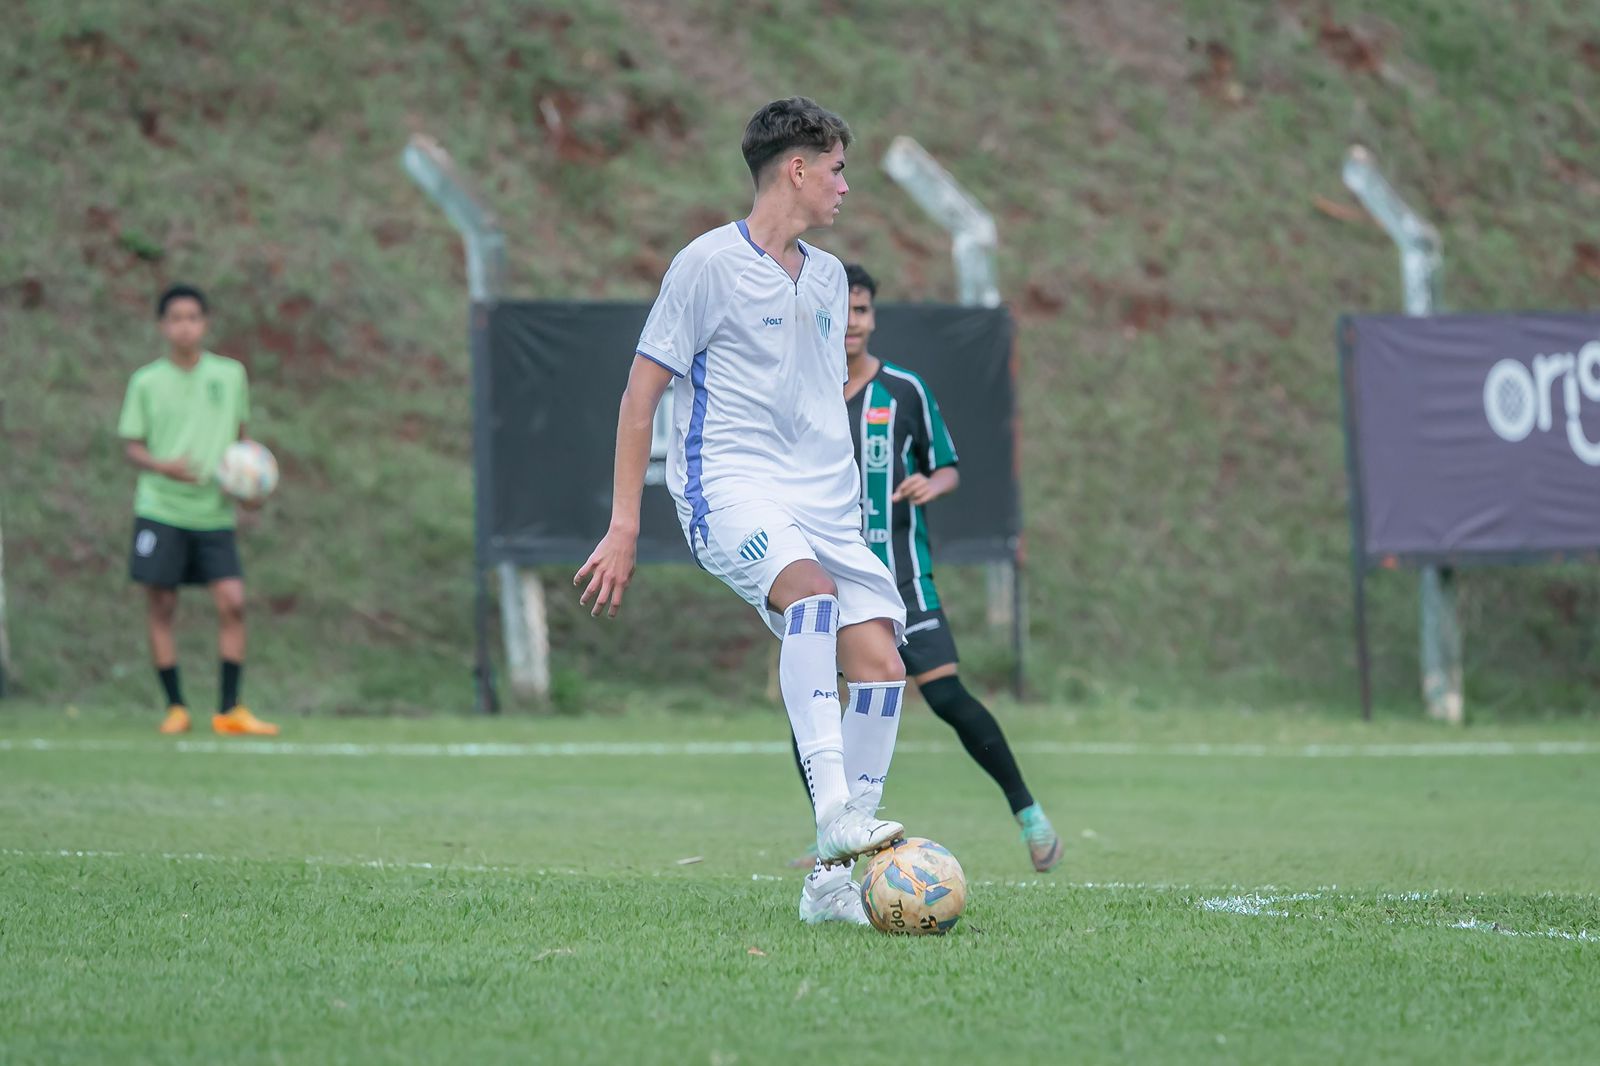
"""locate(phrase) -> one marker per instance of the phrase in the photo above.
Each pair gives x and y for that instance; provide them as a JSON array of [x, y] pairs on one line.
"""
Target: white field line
[[602, 749], [1249, 902], [1256, 905], [452, 867], [1253, 903], [309, 860]]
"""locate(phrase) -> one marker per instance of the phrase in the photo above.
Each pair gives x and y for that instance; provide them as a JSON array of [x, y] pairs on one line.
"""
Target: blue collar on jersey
[[744, 231]]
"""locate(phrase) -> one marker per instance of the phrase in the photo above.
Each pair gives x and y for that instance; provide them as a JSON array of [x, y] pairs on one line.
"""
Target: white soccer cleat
[[833, 899], [854, 830]]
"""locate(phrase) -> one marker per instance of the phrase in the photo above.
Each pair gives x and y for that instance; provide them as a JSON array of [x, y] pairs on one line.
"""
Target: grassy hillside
[[1155, 169]]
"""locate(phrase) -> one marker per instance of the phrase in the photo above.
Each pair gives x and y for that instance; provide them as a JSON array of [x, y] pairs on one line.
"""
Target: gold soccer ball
[[914, 886]]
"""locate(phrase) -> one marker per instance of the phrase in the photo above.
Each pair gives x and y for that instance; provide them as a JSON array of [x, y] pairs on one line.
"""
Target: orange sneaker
[[177, 719], [240, 722]]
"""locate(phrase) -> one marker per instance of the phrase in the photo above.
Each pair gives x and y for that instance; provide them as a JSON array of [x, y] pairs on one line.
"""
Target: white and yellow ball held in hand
[[248, 471]]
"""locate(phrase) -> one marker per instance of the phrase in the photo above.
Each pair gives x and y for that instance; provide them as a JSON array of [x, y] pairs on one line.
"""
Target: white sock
[[808, 672], [871, 723], [824, 877]]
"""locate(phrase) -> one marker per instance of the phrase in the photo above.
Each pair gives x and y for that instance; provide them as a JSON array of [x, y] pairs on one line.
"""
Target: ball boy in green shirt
[[180, 413]]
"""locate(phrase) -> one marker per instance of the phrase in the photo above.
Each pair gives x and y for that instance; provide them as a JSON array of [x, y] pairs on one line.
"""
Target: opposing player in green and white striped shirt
[[907, 460]]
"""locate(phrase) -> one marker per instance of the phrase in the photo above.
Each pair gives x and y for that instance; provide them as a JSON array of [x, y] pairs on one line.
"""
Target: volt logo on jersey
[[772, 321], [824, 323], [754, 547]]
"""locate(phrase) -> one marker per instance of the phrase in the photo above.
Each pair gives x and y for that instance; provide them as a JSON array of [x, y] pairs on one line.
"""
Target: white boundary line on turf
[[603, 749], [1256, 905], [453, 867], [1247, 903], [309, 860], [443, 867]]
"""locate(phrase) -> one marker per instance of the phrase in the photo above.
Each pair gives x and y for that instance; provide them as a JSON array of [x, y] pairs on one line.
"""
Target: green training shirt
[[899, 431], [192, 414]]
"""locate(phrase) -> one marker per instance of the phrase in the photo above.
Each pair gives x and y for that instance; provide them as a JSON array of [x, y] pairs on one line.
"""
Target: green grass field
[[1263, 887]]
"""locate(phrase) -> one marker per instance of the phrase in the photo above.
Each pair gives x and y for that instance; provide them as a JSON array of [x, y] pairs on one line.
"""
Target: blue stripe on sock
[[863, 700], [825, 617], [891, 701], [797, 619]]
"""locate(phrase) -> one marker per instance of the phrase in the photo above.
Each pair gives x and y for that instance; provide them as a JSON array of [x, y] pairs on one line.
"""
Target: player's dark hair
[[180, 292], [784, 125], [856, 277]]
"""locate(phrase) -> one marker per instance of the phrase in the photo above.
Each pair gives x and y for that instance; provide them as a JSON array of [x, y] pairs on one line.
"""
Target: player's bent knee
[[894, 667], [800, 581], [881, 668], [822, 587], [867, 652], [879, 662], [231, 606]]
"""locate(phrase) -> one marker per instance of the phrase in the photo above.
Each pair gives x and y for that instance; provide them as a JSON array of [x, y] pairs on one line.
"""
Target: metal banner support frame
[[522, 606], [1421, 261], [973, 245]]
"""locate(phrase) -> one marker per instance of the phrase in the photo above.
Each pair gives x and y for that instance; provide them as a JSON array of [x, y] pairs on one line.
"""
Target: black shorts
[[929, 642], [168, 556]]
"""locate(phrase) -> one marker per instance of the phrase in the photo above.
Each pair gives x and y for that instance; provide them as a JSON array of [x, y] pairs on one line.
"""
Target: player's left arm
[[935, 454], [244, 413]]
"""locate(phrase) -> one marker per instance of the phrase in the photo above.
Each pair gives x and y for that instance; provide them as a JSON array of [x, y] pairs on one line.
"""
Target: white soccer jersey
[[763, 416]]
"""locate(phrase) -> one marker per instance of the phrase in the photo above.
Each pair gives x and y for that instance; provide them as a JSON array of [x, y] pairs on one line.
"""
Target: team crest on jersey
[[754, 547], [877, 453], [824, 323], [879, 416]]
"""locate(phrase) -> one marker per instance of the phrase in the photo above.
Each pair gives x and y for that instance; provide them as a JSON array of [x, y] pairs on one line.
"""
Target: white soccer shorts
[[748, 545]]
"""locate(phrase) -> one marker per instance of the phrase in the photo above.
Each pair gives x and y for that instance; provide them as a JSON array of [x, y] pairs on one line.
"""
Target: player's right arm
[[611, 564], [679, 325], [137, 453], [133, 426]]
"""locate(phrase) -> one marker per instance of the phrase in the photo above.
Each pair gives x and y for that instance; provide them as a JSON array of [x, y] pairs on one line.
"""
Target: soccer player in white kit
[[764, 474]]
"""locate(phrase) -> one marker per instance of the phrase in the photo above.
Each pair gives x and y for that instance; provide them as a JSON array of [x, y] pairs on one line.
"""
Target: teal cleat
[[1044, 844]]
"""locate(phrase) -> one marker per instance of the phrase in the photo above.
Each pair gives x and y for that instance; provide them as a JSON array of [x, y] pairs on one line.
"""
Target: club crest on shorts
[[754, 547], [145, 542], [824, 323]]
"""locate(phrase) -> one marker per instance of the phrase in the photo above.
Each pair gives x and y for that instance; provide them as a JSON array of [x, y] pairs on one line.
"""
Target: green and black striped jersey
[[899, 431]]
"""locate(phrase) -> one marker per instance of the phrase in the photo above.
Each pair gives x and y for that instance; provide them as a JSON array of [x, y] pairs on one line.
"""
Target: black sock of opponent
[[980, 734]]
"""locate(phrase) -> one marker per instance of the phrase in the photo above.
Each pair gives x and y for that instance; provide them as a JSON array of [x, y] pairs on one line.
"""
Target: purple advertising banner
[[1473, 438]]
